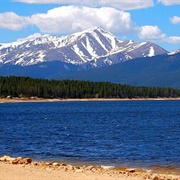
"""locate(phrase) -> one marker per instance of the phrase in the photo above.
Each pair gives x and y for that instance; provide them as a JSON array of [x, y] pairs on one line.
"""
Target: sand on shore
[[26, 169], [14, 100], [17, 172]]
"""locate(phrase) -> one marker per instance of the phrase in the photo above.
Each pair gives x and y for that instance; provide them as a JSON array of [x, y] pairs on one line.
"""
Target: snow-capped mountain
[[94, 47], [174, 52]]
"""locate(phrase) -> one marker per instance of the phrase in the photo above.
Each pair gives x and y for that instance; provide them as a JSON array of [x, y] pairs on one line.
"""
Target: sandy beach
[[14, 100], [12, 172], [25, 168]]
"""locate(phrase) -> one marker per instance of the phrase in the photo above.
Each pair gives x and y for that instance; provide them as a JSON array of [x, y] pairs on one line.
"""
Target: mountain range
[[93, 51], [158, 71]]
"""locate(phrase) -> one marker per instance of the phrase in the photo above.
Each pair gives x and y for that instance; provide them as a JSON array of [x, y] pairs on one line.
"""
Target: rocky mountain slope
[[91, 48]]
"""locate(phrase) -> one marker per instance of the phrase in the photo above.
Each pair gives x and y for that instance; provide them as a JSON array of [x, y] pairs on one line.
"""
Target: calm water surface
[[119, 133]]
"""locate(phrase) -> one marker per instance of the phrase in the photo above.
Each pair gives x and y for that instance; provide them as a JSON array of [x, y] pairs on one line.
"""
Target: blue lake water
[[141, 134]]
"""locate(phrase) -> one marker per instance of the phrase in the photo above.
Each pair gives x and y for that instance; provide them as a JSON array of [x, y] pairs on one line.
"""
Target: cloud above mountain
[[151, 33], [123, 5], [173, 39], [70, 19], [175, 20], [33, 36], [169, 2], [10, 20]]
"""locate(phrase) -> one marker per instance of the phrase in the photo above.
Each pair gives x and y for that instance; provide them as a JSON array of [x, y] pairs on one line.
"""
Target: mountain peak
[[174, 52], [94, 47], [97, 28]]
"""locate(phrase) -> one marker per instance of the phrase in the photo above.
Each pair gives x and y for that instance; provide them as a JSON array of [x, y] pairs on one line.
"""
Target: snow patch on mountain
[[151, 52], [174, 52], [94, 47]]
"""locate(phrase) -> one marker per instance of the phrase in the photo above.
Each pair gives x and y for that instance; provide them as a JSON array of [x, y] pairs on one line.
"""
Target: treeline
[[13, 86]]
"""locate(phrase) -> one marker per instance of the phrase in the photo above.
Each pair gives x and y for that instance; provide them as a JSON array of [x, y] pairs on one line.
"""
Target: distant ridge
[[161, 71]]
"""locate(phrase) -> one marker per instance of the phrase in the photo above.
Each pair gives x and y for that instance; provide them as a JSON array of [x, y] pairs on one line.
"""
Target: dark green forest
[[13, 86]]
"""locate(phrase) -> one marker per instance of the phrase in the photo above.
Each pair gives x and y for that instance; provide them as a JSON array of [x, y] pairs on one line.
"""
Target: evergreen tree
[[26, 87]]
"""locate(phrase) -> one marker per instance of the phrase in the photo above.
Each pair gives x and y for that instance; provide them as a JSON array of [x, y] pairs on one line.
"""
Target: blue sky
[[140, 20]]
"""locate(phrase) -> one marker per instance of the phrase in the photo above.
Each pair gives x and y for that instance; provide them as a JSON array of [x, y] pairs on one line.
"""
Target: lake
[[142, 134]]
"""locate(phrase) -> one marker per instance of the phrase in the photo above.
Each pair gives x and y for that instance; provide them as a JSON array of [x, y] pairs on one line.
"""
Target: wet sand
[[25, 168]]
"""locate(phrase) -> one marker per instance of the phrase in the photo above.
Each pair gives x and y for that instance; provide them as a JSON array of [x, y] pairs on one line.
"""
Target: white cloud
[[151, 33], [10, 20], [175, 20], [169, 2], [33, 36], [69, 19], [173, 39], [128, 4], [124, 5]]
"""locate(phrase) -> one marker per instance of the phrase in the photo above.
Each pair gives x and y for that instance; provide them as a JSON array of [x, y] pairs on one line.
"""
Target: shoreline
[[18, 100], [26, 168]]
